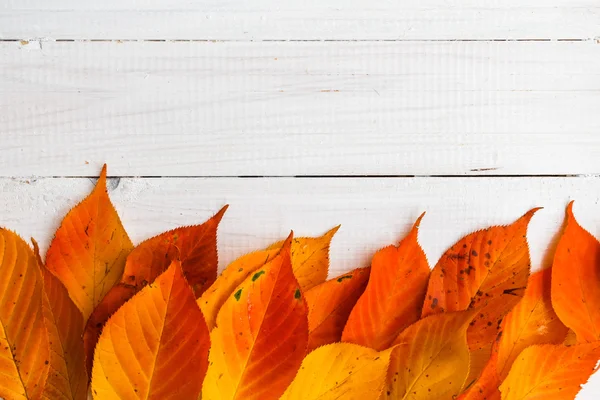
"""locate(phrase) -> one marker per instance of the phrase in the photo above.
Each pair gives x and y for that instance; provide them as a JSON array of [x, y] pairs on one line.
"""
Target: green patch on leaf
[[238, 294], [256, 275], [297, 294]]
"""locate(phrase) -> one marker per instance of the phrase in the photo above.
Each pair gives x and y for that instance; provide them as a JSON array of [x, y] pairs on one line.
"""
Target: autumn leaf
[[576, 280], [394, 295], [155, 346], [195, 246], [310, 261], [89, 249], [24, 343], [261, 335], [531, 321], [329, 305], [67, 378], [310, 258], [213, 299], [486, 270], [431, 358], [550, 372], [340, 371]]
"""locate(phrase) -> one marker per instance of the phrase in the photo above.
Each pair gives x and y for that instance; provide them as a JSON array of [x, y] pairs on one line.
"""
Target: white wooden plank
[[299, 108], [293, 20]]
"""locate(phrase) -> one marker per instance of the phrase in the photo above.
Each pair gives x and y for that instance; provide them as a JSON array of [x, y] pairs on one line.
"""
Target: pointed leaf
[[213, 299], [531, 321], [487, 270], [89, 249], [261, 335], [329, 305], [24, 347], [431, 360], [340, 371], [550, 372], [394, 295], [67, 378], [576, 280], [310, 258], [155, 346], [195, 246]]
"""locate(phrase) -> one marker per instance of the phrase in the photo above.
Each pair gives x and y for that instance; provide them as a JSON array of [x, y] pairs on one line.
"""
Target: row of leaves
[[154, 321]]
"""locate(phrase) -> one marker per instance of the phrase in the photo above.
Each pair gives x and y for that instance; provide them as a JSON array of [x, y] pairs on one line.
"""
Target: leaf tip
[[219, 215], [417, 223]]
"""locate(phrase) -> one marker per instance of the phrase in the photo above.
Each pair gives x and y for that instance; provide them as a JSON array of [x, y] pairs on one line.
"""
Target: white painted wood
[[299, 108], [373, 212], [305, 20]]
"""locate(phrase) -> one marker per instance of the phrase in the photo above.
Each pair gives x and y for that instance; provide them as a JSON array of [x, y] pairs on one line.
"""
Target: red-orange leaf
[[67, 378], [487, 270], [576, 280], [155, 346], [261, 335], [550, 372], [89, 249], [195, 246], [329, 305], [394, 295], [24, 347], [531, 321]]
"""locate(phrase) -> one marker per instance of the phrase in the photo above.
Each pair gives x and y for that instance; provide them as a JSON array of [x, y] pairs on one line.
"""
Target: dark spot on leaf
[[341, 278], [257, 275], [434, 303], [297, 294], [474, 253], [238, 294]]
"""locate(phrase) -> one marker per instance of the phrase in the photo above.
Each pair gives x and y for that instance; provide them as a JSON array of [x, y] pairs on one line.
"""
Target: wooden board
[[306, 20], [299, 108], [374, 212]]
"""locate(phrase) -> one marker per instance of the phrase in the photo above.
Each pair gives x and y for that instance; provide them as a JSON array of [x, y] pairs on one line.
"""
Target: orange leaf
[[261, 335], [431, 360], [67, 378], [213, 299], [487, 270], [550, 372], [155, 346], [576, 280], [531, 321], [89, 249], [24, 347], [310, 258], [329, 305], [195, 246], [394, 295]]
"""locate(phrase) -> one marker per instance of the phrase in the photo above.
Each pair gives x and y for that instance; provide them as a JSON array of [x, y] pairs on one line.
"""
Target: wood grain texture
[[289, 20], [299, 108]]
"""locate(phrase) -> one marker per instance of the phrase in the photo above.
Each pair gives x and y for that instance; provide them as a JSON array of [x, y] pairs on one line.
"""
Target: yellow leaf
[[310, 258], [24, 347], [340, 371], [89, 249], [431, 358], [155, 346], [550, 372]]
